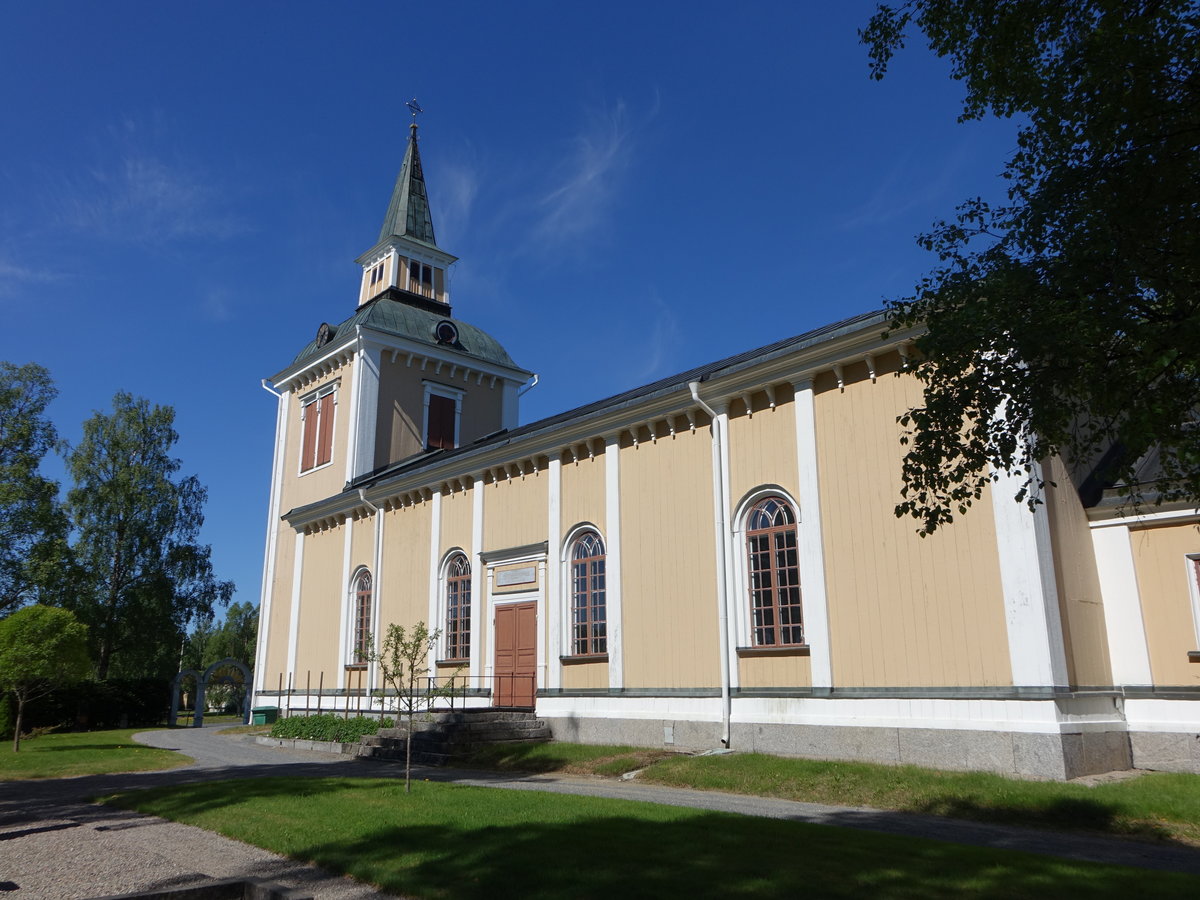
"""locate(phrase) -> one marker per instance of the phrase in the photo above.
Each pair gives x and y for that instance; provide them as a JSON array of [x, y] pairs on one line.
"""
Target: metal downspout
[[718, 437]]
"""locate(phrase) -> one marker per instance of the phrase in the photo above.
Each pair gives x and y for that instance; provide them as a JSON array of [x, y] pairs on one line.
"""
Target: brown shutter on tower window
[[325, 436], [440, 433], [308, 448]]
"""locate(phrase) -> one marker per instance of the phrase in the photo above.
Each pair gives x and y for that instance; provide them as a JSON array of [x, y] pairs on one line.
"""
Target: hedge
[[328, 727]]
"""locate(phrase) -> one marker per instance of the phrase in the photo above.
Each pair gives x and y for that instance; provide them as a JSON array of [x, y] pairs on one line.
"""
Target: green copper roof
[[408, 321], [408, 213]]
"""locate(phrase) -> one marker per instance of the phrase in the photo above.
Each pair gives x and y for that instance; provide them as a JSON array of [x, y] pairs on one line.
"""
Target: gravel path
[[54, 844]]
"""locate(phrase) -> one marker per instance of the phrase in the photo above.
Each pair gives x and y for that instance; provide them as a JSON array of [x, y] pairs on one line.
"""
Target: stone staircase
[[440, 737]]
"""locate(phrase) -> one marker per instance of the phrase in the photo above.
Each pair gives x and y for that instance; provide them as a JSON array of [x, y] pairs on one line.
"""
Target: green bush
[[95, 705], [327, 727]]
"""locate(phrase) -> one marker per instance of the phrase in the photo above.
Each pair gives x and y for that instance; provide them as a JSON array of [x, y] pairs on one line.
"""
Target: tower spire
[[406, 263], [408, 213]]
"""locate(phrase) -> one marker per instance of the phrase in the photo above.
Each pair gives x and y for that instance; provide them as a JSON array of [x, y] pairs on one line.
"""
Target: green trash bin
[[265, 715]]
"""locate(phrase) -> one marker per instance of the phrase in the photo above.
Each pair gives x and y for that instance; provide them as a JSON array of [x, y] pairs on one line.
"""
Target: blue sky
[[632, 188]]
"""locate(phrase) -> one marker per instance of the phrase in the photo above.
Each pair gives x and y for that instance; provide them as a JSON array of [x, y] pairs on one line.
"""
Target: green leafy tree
[[41, 648], [238, 635], [1066, 319], [141, 574], [234, 638], [403, 661], [32, 526]]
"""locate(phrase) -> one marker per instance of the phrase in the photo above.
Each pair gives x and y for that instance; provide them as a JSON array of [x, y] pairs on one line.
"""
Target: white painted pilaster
[[724, 512], [554, 599], [612, 562], [435, 543], [812, 547], [1035, 639], [477, 569], [267, 593], [360, 455], [377, 626], [1127, 648], [348, 602], [294, 620]]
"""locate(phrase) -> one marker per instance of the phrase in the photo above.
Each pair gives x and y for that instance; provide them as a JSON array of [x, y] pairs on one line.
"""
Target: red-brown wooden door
[[516, 655]]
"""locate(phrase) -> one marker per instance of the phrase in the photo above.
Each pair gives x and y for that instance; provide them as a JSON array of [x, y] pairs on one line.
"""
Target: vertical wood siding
[[320, 483], [456, 527], [762, 447], [514, 511], [668, 570], [1159, 556], [768, 671], [281, 610], [480, 413], [404, 582], [362, 544], [398, 423], [1080, 603], [903, 611], [585, 677], [320, 609], [583, 494]]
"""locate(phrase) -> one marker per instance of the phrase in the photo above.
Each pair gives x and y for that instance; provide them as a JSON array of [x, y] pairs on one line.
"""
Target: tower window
[[442, 413], [317, 415], [420, 278], [443, 407]]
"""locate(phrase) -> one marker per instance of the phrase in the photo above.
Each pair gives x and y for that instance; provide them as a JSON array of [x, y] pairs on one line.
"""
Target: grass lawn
[[572, 759], [454, 841], [1154, 805], [84, 753]]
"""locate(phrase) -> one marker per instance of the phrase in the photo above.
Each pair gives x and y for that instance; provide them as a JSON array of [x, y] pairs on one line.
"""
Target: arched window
[[360, 632], [458, 607], [589, 635], [775, 613]]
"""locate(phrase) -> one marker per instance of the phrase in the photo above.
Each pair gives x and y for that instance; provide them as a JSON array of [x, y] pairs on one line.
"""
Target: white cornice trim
[[1181, 516], [635, 414]]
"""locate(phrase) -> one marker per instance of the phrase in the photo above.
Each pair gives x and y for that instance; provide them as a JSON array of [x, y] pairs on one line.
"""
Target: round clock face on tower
[[324, 334], [445, 332]]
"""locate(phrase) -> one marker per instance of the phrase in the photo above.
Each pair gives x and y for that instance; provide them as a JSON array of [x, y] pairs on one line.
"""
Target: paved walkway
[[54, 844]]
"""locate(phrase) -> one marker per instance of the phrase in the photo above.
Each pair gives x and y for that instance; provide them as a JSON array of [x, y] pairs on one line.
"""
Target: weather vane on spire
[[414, 107]]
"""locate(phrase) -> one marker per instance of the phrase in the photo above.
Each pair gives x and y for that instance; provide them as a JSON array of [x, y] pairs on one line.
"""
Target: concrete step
[[440, 736]]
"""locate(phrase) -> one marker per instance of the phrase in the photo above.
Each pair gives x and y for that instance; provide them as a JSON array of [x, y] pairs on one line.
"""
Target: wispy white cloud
[[217, 304], [584, 185], [458, 186], [13, 276], [898, 193], [653, 349], [136, 191]]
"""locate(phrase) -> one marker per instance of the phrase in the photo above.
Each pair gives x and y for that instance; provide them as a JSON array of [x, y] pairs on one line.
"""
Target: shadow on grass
[[534, 758], [455, 842], [1064, 814]]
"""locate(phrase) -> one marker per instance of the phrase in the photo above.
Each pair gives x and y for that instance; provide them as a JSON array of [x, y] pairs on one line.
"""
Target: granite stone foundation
[[1166, 751], [1028, 755]]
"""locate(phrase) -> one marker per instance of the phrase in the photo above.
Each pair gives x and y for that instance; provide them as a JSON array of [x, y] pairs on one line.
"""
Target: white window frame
[[1193, 577], [305, 402], [350, 615], [744, 632], [567, 592], [443, 604], [433, 388]]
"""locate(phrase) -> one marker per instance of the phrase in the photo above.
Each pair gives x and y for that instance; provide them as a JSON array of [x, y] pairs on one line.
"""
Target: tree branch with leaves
[[1065, 320]]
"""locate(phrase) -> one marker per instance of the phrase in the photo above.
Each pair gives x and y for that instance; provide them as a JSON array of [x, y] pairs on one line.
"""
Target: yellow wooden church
[[708, 560]]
